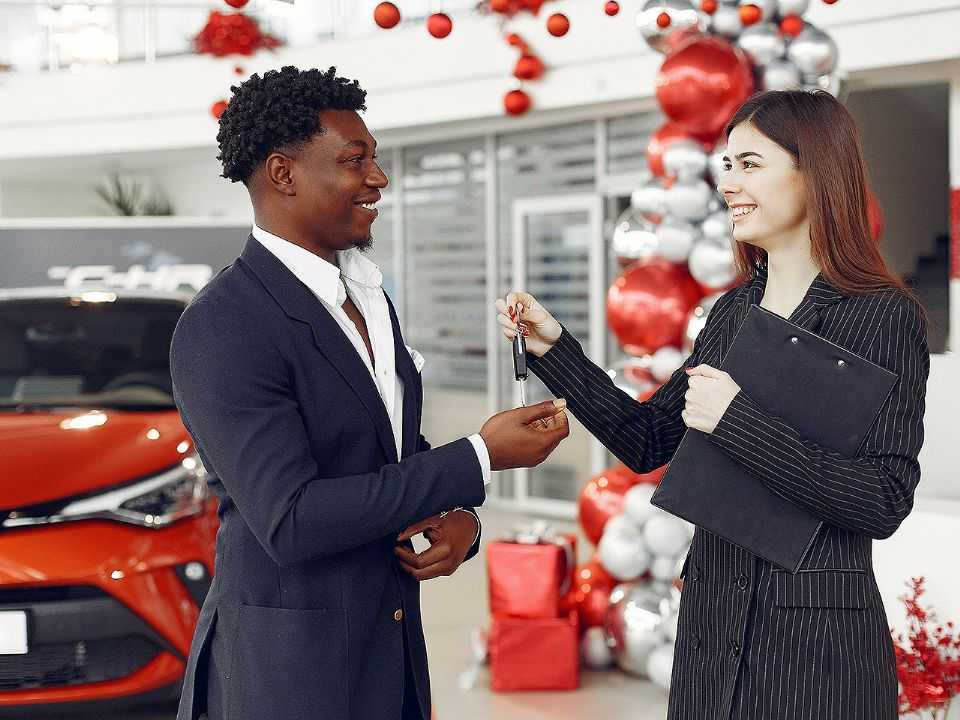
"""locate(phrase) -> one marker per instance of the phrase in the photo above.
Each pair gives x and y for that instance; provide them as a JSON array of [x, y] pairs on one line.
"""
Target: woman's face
[[763, 188]]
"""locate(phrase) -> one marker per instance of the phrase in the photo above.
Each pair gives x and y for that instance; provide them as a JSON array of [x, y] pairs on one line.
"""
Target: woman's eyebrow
[[743, 155]]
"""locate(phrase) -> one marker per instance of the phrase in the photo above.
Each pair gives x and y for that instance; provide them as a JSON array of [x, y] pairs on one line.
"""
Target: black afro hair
[[278, 111]]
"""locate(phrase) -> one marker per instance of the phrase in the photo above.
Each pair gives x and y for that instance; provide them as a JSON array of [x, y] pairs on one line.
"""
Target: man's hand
[[709, 394], [450, 537], [526, 436]]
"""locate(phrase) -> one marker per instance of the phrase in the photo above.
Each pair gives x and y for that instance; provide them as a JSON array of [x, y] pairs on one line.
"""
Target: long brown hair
[[821, 135]]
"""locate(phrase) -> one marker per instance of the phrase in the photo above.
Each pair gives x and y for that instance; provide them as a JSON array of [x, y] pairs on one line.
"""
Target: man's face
[[338, 182]]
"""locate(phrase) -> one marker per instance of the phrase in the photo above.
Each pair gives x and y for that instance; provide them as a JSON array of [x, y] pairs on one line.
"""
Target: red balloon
[[591, 593], [558, 24], [647, 306], [386, 15], [668, 133], [217, 108], [708, 6], [528, 67], [516, 102], [602, 497], [237, 3], [875, 216], [439, 25], [702, 83], [611, 8]]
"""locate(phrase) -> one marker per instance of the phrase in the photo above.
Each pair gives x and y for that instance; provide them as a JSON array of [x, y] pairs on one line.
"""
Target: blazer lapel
[[407, 372], [300, 304]]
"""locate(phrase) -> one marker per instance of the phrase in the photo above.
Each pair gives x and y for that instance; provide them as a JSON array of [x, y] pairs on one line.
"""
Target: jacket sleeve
[[423, 446], [236, 398], [643, 435], [869, 494]]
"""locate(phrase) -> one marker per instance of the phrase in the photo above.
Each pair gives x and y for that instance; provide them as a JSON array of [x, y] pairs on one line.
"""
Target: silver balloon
[[633, 624], [834, 83], [763, 43], [717, 203], [717, 226], [689, 199], [595, 649], [768, 8], [622, 553], [781, 74], [667, 535], [685, 159], [698, 318], [715, 162], [711, 263], [650, 199], [726, 21], [660, 666], [814, 52], [683, 16], [664, 362], [675, 239], [792, 7], [634, 237]]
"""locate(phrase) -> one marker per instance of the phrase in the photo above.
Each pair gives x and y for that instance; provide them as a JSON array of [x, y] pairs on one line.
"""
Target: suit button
[[742, 582], [695, 572], [695, 642], [398, 615], [734, 648]]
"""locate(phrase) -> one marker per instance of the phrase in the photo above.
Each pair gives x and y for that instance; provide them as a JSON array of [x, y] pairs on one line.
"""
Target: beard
[[363, 244]]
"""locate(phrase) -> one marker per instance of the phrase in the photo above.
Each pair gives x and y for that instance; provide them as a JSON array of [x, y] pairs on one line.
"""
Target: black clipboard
[[827, 393]]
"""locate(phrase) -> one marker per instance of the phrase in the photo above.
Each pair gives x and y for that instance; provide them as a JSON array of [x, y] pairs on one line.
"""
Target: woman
[[756, 642]]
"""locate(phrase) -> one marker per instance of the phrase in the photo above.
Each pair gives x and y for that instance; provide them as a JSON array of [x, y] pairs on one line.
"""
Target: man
[[291, 374]]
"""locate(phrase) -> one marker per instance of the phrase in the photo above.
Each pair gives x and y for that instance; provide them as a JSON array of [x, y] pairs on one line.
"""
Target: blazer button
[[734, 648], [695, 572], [743, 582], [398, 615], [695, 642]]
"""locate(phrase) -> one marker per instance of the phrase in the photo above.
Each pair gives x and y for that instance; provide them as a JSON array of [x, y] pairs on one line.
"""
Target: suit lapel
[[407, 372], [807, 315], [300, 304]]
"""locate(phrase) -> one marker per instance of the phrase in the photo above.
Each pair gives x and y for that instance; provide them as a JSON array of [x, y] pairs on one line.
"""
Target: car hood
[[51, 455]]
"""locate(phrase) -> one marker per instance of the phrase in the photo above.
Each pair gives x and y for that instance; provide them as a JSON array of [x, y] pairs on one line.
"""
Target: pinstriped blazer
[[755, 642]]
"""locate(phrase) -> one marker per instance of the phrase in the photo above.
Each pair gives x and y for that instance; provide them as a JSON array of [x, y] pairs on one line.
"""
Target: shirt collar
[[323, 278]]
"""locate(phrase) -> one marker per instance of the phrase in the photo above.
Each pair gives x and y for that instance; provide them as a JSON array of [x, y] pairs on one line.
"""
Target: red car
[[107, 532]]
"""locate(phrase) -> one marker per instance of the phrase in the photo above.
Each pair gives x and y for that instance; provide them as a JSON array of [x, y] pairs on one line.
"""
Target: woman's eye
[[747, 164], [727, 167]]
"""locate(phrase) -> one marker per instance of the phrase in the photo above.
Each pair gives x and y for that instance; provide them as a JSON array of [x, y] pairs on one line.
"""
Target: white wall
[[411, 77]]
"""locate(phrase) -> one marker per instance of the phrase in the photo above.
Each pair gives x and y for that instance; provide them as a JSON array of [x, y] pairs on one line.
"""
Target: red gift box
[[529, 580], [534, 654]]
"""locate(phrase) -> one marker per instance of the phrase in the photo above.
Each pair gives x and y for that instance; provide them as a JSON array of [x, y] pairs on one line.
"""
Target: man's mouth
[[368, 207]]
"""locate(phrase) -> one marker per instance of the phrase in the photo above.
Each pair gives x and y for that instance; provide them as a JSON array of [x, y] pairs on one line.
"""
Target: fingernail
[[511, 312], [560, 404]]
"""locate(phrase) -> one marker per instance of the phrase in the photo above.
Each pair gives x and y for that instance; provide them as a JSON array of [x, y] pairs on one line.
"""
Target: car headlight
[[155, 502]]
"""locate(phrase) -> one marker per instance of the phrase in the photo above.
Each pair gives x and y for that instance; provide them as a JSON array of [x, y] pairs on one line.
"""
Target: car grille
[[74, 663]]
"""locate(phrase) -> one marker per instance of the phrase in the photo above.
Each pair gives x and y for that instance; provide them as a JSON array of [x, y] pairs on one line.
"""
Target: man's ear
[[278, 172]]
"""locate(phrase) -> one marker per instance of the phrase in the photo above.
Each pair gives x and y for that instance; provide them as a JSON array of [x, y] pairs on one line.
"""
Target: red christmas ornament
[[791, 25], [558, 24], [516, 102], [439, 25], [232, 34], [874, 216], [236, 3], [217, 108], [664, 20], [515, 40], [611, 8], [702, 83], [829, 2], [648, 305], [238, 70], [386, 15], [750, 14], [528, 67], [500, 6], [708, 6]]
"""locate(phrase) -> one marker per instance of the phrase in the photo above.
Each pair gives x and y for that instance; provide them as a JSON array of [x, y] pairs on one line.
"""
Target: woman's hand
[[709, 394], [543, 330]]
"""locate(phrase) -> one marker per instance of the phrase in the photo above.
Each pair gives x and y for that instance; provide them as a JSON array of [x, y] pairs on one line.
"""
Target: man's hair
[[279, 112]]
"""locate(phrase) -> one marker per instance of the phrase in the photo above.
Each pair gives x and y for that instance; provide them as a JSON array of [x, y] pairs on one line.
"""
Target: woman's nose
[[727, 184]]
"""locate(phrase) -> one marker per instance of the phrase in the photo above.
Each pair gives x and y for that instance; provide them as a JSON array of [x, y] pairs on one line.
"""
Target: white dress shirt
[[363, 281]]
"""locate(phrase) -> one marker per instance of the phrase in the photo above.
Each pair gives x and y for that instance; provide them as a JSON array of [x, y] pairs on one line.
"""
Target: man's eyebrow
[[362, 144], [743, 155]]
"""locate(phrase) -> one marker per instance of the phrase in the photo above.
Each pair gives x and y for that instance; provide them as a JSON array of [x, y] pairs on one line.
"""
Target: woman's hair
[[821, 135]]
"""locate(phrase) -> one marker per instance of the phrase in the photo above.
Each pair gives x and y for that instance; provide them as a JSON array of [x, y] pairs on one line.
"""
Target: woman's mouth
[[741, 212]]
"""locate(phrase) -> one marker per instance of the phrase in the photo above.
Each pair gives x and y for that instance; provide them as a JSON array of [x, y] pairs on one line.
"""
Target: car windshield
[[67, 352]]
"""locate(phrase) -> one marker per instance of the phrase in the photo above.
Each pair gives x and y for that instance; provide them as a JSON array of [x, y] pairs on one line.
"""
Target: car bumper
[[110, 609]]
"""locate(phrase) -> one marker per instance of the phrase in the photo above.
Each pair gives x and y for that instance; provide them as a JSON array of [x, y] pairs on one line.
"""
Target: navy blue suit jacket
[[301, 454]]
